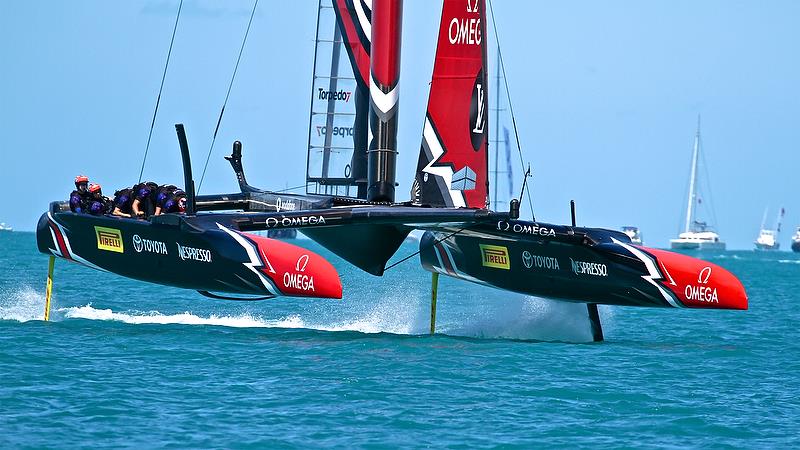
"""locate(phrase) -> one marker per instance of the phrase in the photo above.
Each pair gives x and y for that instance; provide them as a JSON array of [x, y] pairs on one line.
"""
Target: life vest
[[149, 185], [84, 200], [123, 199], [164, 193]]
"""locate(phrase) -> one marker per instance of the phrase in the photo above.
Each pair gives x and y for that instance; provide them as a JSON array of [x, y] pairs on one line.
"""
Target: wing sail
[[453, 164]]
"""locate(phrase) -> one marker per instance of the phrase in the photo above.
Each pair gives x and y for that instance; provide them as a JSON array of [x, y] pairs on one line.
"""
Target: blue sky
[[606, 96]]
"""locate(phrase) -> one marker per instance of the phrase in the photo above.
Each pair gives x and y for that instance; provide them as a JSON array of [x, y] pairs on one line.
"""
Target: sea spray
[[528, 318], [22, 304]]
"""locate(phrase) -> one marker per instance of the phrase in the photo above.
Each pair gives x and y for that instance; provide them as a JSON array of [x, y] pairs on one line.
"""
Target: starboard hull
[[580, 265]]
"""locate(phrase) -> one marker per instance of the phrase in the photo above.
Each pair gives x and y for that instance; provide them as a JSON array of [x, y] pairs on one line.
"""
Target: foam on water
[[518, 317], [375, 322], [789, 261], [22, 304], [530, 318], [186, 318]]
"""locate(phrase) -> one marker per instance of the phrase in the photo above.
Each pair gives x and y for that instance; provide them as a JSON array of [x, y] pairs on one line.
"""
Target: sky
[[606, 97]]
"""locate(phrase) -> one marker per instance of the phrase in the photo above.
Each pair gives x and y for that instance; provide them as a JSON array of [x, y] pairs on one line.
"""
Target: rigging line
[[710, 193], [510, 105], [420, 250], [293, 188], [222, 111], [158, 99]]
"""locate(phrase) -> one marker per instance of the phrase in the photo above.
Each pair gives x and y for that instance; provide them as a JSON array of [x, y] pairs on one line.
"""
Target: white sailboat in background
[[697, 235], [767, 237], [634, 234], [796, 241], [4, 227]]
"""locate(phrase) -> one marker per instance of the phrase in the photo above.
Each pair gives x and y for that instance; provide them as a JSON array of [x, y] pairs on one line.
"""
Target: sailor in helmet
[[80, 199]]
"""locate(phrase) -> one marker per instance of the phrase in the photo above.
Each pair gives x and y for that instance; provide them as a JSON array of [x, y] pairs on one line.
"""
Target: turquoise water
[[128, 364]]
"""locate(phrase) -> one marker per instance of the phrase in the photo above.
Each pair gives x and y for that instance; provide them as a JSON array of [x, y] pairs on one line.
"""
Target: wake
[[514, 317]]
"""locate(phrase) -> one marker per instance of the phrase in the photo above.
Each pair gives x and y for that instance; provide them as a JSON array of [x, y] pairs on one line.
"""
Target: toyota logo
[[705, 274], [527, 259], [137, 243]]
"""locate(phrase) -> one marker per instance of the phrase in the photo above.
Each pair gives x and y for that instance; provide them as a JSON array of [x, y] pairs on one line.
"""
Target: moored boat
[[768, 237], [634, 234], [696, 235]]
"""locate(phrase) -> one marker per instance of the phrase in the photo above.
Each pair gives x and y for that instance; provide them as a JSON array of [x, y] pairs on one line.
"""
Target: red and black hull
[[579, 265], [170, 250]]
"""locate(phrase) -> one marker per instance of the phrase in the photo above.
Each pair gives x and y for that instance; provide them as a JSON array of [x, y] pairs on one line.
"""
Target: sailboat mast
[[387, 19], [496, 129], [780, 219], [693, 178]]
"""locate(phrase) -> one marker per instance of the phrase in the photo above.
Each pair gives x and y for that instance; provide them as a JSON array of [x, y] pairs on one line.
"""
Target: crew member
[[164, 193], [80, 198], [144, 204], [100, 204], [176, 203], [123, 202]]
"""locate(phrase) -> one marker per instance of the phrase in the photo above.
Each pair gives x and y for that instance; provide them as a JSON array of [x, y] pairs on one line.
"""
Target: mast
[[387, 18], [693, 178], [496, 128], [780, 219]]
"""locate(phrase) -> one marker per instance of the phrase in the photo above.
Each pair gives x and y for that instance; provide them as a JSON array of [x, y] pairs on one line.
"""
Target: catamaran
[[768, 237], [696, 235], [350, 206]]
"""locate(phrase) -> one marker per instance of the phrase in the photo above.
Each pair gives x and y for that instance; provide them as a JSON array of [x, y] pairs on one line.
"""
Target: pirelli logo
[[495, 256], [109, 239]]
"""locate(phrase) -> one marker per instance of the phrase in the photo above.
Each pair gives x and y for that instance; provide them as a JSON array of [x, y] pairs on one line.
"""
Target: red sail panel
[[354, 20], [452, 170], [387, 26]]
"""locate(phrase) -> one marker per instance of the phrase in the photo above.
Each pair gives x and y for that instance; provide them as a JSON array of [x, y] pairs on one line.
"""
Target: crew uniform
[[163, 194], [175, 203], [80, 199], [144, 199], [100, 204], [123, 201]]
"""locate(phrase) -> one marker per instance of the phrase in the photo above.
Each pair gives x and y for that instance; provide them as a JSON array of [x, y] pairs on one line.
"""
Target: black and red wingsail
[[353, 18], [452, 167]]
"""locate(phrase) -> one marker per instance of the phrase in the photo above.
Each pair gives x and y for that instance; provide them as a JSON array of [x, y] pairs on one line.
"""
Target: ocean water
[[126, 364]]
